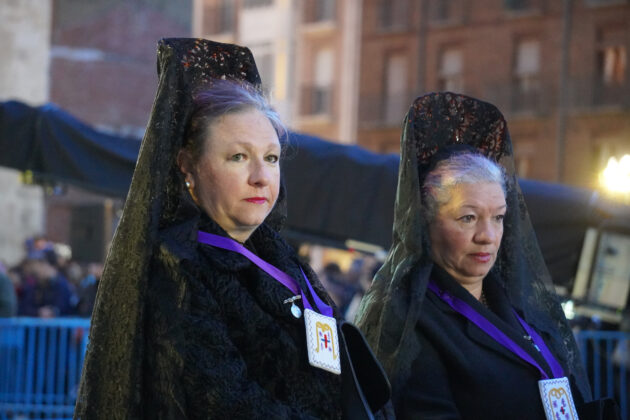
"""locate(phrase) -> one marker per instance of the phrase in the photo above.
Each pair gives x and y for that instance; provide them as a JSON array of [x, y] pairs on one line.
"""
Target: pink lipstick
[[481, 257], [256, 200]]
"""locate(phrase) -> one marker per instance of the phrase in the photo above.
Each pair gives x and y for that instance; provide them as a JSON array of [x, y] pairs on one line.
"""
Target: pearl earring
[[191, 192]]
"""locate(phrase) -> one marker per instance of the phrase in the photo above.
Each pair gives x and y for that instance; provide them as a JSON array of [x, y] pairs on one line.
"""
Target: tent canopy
[[59, 148], [335, 192]]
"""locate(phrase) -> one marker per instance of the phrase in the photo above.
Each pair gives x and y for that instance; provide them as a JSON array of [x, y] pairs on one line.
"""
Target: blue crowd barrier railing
[[606, 356], [41, 361], [40, 366]]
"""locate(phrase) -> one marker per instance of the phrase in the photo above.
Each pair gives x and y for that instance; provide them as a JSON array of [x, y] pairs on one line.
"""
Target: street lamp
[[615, 178]]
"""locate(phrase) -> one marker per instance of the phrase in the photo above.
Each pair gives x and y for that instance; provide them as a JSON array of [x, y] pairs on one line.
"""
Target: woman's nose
[[259, 173], [487, 232]]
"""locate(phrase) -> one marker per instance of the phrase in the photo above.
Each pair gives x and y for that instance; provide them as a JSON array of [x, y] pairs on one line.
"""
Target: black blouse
[[462, 372], [230, 347]]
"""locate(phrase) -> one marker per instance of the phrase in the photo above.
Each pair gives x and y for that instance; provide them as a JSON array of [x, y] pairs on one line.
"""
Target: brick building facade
[[306, 52], [103, 71], [557, 70]]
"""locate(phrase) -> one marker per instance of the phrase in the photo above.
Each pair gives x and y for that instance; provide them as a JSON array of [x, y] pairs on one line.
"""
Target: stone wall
[[24, 64]]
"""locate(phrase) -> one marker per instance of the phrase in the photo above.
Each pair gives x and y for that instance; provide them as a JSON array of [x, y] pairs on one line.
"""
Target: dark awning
[[335, 192], [57, 147]]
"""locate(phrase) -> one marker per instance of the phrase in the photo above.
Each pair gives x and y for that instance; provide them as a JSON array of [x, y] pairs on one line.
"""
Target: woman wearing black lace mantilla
[[203, 311], [461, 314]]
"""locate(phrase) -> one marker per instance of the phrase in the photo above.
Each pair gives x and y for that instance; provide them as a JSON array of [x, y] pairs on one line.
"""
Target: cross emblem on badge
[[325, 340]]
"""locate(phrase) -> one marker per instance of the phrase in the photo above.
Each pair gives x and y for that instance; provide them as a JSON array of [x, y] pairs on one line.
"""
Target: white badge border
[[310, 320], [546, 386]]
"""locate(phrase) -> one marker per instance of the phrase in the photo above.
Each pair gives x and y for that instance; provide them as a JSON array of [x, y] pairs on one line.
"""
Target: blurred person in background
[[87, 288], [38, 247], [44, 291], [337, 284], [25, 282], [8, 297], [364, 274]]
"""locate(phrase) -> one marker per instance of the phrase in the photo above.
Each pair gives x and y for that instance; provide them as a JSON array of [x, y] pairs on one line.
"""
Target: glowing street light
[[616, 177]]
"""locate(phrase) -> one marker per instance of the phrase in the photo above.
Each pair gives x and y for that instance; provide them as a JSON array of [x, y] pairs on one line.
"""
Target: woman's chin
[[471, 276], [250, 224]]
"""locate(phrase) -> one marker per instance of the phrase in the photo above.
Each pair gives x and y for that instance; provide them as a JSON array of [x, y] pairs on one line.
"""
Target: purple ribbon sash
[[553, 363], [499, 336], [279, 275]]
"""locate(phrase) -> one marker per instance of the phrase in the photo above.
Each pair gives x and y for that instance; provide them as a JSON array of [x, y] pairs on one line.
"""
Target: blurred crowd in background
[[347, 288], [47, 283]]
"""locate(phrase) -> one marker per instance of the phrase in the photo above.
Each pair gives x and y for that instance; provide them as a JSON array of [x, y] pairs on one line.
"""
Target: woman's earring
[[191, 192]]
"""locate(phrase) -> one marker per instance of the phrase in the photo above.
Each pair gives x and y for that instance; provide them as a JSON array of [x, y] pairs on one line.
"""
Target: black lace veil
[[111, 384], [390, 310]]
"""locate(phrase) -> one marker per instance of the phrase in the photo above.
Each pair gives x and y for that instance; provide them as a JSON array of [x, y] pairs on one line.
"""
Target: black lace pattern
[[391, 308], [113, 377]]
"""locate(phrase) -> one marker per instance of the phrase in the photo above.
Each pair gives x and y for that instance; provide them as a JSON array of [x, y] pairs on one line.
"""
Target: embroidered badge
[[557, 399], [322, 341]]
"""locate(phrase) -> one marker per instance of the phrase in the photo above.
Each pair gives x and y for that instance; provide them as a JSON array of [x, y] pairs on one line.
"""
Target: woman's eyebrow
[[251, 145], [472, 206]]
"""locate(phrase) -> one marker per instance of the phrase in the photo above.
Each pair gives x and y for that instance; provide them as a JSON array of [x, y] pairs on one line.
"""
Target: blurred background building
[[96, 60], [344, 70], [348, 70], [24, 64]]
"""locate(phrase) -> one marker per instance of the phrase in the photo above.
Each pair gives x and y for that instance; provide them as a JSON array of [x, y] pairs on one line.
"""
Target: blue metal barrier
[[40, 366], [606, 356], [41, 360]]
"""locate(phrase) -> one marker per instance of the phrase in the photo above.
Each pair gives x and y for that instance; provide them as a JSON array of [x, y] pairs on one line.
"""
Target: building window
[[446, 11], [249, 4], [522, 164], [526, 75], [604, 2], [319, 10], [394, 14], [218, 17], [517, 4], [450, 73], [613, 64], [263, 55], [523, 7], [317, 98], [396, 89], [612, 67]]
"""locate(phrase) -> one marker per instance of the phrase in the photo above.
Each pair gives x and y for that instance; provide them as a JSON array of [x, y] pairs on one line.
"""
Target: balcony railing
[[540, 100], [597, 3], [582, 94], [384, 110], [593, 93], [510, 98]]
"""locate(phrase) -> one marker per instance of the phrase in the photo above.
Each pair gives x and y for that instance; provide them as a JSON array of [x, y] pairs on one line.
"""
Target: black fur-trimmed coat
[[220, 342]]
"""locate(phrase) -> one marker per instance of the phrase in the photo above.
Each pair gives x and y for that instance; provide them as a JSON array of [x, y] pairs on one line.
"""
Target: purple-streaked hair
[[220, 98]]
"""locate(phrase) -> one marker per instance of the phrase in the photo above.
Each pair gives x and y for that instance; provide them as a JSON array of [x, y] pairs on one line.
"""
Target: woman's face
[[467, 230], [236, 180]]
